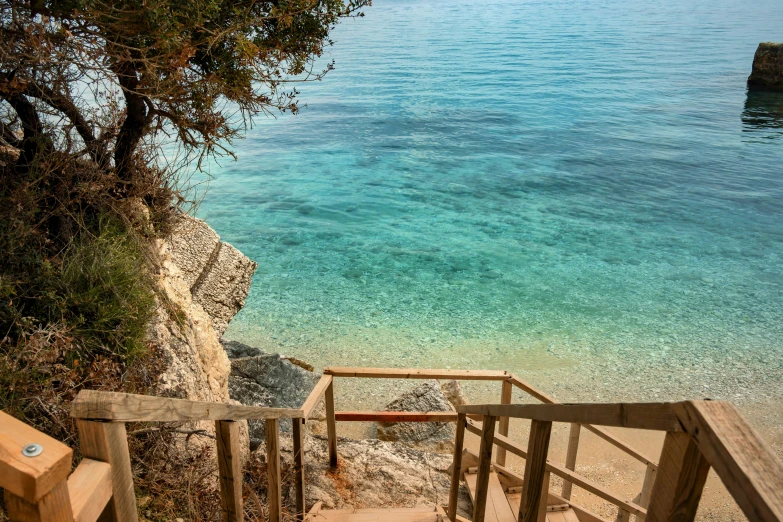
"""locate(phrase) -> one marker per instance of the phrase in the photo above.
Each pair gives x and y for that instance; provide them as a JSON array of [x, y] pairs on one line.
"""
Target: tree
[[94, 79]]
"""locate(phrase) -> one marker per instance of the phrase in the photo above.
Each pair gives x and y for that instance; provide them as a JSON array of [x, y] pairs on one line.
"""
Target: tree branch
[[63, 103]]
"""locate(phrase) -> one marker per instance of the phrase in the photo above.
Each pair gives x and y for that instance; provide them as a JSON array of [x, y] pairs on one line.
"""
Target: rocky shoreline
[[203, 283]]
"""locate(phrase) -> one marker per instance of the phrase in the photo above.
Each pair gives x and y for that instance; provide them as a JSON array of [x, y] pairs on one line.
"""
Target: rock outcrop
[[217, 274], [430, 436], [186, 329], [269, 380], [371, 473], [767, 66]]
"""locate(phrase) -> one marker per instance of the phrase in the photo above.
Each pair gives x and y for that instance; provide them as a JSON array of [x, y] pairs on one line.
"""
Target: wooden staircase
[[35, 470]]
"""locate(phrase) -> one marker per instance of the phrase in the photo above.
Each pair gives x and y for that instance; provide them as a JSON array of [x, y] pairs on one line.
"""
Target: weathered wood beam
[[127, 407], [645, 416], [414, 373]]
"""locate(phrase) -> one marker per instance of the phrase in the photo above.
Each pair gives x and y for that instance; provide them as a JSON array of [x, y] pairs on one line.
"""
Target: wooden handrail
[[315, 395], [413, 373], [644, 416], [699, 435], [127, 407], [562, 471], [747, 465]]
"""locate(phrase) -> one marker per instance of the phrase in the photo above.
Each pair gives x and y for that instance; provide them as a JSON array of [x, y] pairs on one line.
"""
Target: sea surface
[[581, 192]]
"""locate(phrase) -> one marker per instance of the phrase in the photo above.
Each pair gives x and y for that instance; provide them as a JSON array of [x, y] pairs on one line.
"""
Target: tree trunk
[[132, 128]]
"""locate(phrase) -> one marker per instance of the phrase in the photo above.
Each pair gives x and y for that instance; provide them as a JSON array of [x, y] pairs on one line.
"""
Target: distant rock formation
[[429, 436], [217, 274], [767, 66]]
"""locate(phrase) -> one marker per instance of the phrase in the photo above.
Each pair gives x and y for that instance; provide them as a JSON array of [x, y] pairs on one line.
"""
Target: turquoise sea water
[[558, 187]]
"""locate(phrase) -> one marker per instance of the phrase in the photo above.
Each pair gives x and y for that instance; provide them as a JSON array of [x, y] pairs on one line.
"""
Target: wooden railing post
[[299, 475], [570, 463], [484, 467], [229, 470], [108, 442], [55, 506], [505, 398], [682, 473], [33, 472], [644, 496], [535, 470], [272, 429], [456, 466], [331, 426]]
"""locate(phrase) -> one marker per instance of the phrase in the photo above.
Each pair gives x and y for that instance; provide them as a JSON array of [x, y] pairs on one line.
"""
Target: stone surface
[[193, 363], [432, 436], [371, 473], [236, 350], [453, 393], [272, 381], [768, 66], [217, 274]]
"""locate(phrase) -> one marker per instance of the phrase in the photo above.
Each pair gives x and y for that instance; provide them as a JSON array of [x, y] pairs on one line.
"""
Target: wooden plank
[[547, 399], [415, 373], [531, 390], [299, 468], [497, 507], [315, 396], [395, 416], [535, 470], [646, 492], [571, 516], [579, 513], [89, 488], [229, 470], [314, 511], [680, 482], [644, 416], [542, 506], [485, 461], [562, 472], [456, 466], [570, 463], [377, 515], [30, 478], [127, 407], [747, 465], [108, 442], [617, 443], [505, 398], [54, 506], [275, 500], [331, 425], [623, 515]]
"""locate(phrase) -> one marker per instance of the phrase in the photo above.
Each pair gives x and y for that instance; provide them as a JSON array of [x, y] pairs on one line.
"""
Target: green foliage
[[106, 293], [98, 290]]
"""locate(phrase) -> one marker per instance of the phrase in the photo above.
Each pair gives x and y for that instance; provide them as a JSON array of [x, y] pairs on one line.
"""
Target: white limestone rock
[[217, 274]]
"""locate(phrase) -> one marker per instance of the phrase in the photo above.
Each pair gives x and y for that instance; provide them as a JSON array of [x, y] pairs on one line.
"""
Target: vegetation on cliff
[[105, 107]]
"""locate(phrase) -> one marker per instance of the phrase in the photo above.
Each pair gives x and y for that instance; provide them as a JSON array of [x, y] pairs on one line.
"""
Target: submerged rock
[[432, 436], [767, 66]]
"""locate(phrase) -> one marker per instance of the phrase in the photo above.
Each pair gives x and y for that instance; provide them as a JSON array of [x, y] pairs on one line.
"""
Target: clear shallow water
[[561, 187]]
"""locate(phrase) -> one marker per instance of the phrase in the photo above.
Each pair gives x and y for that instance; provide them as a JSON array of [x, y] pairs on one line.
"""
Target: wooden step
[[498, 509], [374, 515], [561, 515]]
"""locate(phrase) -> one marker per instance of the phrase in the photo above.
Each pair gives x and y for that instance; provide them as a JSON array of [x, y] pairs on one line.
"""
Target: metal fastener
[[32, 450]]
